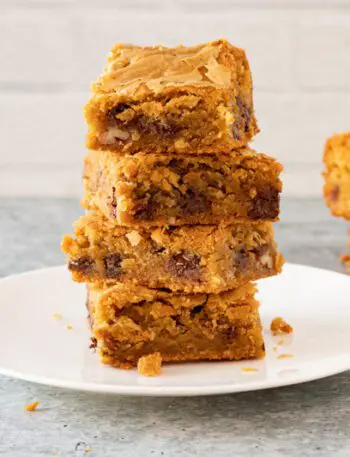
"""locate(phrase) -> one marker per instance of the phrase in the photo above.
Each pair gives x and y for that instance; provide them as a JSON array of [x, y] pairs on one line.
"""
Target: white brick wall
[[52, 49]]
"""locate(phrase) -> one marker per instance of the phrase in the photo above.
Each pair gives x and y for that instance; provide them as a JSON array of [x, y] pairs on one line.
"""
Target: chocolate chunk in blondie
[[159, 190], [195, 258]]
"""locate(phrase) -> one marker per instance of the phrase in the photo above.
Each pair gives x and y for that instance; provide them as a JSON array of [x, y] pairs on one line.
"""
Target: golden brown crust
[[157, 189], [337, 174]]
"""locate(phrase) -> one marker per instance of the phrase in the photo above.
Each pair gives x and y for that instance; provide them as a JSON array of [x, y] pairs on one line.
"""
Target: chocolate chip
[[241, 259], [113, 112], [243, 117], [185, 265], [113, 203], [165, 289], [195, 202], [112, 264], [170, 229], [150, 126], [93, 343], [177, 166], [334, 194], [144, 212], [245, 112], [235, 131], [156, 249], [265, 205], [82, 265], [196, 310]]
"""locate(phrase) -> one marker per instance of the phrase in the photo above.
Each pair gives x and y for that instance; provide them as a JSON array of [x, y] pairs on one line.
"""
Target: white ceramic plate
[[37, 347]]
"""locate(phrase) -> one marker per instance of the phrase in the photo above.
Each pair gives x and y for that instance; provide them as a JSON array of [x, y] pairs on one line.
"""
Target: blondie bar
[[185, 100], [337, 174], [130, 322], [200, 258], [155, 189]]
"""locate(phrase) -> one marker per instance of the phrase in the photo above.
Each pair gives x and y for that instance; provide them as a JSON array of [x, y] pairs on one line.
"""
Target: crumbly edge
[[124, 187], [336, 175], [102, 251]]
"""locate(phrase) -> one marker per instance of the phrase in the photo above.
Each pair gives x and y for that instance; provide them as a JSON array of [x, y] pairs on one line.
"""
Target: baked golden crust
[[199, 258], [130, 322], [158, 189], [184, 100], [337, 174]]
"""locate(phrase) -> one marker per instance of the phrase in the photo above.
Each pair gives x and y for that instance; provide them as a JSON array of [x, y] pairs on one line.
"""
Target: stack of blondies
[[180, 210], [336, 189]]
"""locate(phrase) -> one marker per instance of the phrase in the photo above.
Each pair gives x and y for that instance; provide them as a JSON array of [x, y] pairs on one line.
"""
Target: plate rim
[[343, 364]]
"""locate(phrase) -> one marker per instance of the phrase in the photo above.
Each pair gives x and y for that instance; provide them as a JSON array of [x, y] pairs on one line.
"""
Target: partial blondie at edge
[[188, 258], [337, 174], [157, 189], [184, 100], [131, 322]]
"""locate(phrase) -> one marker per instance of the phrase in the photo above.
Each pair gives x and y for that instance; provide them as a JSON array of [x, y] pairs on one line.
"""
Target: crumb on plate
[[285, 356], [280, 342], [249, 370], [69, 327], [150, 365], [279, 326], [32, 406], [57, 316], [345, 259]]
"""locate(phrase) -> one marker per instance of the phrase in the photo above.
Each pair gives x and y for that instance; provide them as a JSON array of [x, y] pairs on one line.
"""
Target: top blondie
[[180, 100]]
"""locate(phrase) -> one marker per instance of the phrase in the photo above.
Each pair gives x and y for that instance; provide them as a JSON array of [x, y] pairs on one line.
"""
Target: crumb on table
[[69, 327], [32, 406], [57, 316], [285, 356], [279, 326], [150, 365]]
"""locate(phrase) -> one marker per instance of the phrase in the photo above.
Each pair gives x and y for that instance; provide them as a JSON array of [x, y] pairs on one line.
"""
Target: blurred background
[[51, 50]]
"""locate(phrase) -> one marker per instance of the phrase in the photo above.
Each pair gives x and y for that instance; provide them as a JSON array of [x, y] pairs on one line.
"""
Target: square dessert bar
[[130, 322], [155, 189], [337, 174], [185, 100], [199, 258]]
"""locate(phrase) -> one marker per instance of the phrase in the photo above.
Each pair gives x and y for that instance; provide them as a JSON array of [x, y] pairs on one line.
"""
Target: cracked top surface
[[134, 68]]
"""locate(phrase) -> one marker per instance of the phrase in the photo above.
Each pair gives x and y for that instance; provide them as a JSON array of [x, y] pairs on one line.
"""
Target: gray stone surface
[[312, 419]]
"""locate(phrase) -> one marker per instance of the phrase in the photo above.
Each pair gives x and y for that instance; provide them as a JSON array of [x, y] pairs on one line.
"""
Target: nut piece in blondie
[[157, 189], [130, 322], [200, 258], [337, 174], [185, 100]]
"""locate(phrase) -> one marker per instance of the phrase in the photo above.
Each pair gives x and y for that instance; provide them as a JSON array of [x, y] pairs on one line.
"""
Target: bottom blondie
[[129, 322]]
